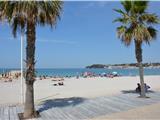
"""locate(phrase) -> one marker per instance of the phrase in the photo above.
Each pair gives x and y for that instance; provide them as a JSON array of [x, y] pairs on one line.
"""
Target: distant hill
[[131, 65]]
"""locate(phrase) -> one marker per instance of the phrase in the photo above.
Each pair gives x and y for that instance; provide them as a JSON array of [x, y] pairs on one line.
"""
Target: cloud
[[90, 4], [102, 3], [51, 41], [8, 38], [56, 41], [96, 4]]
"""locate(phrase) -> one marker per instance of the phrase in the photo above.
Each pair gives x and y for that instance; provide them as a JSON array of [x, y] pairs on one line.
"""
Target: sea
[[63, 72]]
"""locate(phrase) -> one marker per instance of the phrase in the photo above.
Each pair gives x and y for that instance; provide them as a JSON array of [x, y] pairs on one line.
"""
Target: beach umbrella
[[114, 73], [103, 73]]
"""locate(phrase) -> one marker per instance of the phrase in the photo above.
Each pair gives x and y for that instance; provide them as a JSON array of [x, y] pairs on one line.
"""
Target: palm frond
[[139, 6], [119, 11], [127, 5], [141, 34], [153, 32], [127, 38], [121, 31], [149, 18], [14, 26], [121, 20], [18, 24], [49, 12]]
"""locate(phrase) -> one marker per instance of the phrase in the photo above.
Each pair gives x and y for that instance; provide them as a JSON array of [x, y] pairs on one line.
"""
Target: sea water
[[78, 71]]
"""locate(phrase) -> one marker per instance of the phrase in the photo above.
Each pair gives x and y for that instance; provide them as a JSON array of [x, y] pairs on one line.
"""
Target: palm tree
[[137, 26], [26, 15]]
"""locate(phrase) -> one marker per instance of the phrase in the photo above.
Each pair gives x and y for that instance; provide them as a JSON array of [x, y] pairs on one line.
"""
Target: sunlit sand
[[10, 92]]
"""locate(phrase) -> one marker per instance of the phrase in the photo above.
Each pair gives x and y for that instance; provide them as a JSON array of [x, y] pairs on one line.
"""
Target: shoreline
[[70, 72]]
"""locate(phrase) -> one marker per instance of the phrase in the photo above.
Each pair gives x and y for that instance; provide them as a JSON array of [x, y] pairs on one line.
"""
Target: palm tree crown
[[37, 12], [137, 24]]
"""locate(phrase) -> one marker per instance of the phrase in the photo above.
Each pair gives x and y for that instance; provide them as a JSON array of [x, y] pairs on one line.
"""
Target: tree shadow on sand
[[63, 102], [134, 91]]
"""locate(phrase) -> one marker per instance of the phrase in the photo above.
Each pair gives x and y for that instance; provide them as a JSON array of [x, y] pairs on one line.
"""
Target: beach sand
[[10, 92]]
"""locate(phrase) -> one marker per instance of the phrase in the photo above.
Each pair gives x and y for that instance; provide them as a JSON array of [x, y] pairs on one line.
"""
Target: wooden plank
[[126, 103], [155, 97], [45, 115], [86, 110], [113, 106], [92, 113], [102, 108], [2, 113], [65, 114], [11, 115], [60, 114], [15, 113], [98, 109], [135, 101], [117, 104], [55, 114], [75, 110], [6, 113], [19, 109]]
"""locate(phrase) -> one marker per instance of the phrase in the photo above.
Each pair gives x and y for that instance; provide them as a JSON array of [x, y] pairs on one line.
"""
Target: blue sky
[[85, 35]]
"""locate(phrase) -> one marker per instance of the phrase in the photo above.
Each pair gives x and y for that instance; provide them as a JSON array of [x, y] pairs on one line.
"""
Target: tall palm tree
[[137, 26], [26, 15]]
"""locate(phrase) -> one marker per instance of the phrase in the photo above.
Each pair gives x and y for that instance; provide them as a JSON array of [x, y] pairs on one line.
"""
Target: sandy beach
[[10, 92]]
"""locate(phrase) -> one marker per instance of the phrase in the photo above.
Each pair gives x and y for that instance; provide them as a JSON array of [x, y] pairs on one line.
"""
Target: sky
[[84, 35]]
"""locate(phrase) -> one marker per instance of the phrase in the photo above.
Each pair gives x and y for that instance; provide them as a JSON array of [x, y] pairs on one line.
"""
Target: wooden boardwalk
[[81, 108]]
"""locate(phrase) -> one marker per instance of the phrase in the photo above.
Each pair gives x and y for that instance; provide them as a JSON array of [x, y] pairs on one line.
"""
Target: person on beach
[[138, 89], [2, 75], [77, 76], [146, 87]]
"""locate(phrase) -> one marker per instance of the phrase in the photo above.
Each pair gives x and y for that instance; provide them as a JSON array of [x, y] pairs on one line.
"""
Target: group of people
[[92, 74], [58, 82], [9, 76], [138, 89]]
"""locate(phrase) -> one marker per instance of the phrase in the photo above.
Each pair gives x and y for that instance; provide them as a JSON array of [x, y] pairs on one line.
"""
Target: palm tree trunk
[[138, 51], [29, 109]]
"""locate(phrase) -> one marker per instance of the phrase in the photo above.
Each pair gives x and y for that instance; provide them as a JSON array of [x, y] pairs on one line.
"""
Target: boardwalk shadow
[[134, 92], [64, 102]]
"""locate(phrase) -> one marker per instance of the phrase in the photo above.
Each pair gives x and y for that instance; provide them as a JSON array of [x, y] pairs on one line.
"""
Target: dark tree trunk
[[29, 109], [138, 51]]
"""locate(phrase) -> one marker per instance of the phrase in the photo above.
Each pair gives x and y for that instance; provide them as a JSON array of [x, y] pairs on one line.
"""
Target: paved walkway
[[81, 108]]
